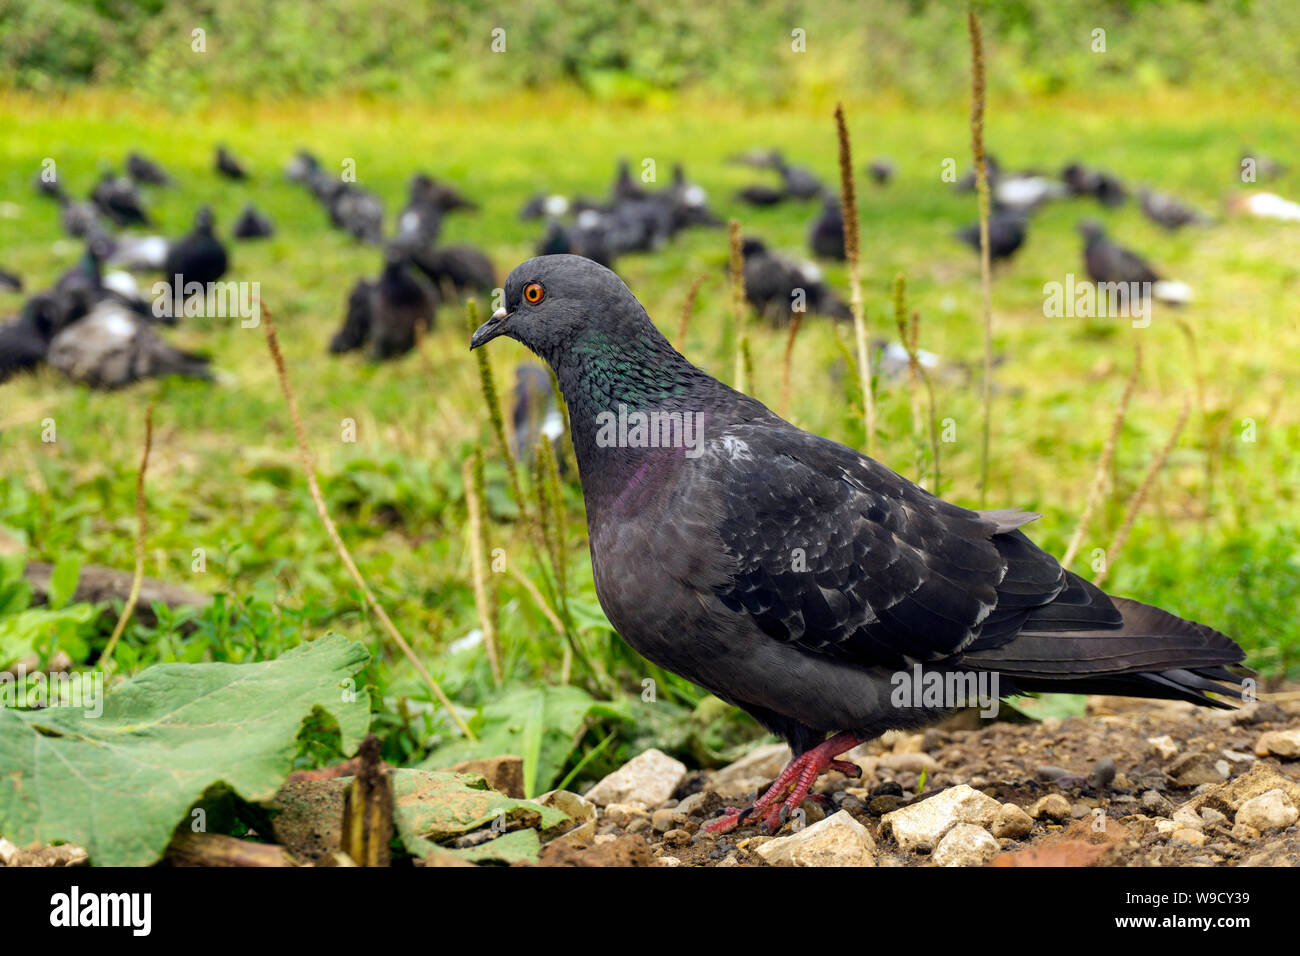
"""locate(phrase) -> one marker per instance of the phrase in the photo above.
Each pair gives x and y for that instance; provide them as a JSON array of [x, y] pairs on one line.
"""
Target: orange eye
[[534, 293]]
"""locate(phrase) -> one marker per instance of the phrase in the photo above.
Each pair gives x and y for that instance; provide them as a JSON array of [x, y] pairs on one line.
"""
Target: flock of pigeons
[[95, 326]]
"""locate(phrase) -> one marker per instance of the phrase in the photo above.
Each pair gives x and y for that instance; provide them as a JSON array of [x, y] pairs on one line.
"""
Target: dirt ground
[[1138, 783]]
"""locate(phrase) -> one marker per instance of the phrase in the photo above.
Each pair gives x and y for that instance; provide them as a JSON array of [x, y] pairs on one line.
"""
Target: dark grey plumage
[[25, 340], [1166, 211], [533, 413], [388, 314], [252, 224], [227, 165], [456, 270], [826, 238], [11, 281], [113, 347], [793, 576], [1101, 186], [881, 170], [776, 286], [1107, 261], [145, 170], [761, 195], [1007, 232], [199, 256], [118, 198]]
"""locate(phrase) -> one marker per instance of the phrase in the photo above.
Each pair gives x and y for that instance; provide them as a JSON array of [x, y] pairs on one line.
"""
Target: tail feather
[[1152, 654]]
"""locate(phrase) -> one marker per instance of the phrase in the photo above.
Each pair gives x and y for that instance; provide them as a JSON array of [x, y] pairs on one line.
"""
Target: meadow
[[1217, 540]]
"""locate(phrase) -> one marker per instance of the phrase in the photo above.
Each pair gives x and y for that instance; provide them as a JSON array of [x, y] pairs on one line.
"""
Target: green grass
[[224, 475]]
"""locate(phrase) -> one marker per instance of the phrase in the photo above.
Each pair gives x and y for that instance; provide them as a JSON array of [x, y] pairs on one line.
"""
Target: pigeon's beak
[[489, 330]]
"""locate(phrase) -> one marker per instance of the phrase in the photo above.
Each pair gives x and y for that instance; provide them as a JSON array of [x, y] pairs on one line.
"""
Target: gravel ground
[[1132, 783]]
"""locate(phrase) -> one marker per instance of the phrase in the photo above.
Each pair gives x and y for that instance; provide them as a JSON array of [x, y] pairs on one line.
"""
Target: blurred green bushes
[[640, 49]]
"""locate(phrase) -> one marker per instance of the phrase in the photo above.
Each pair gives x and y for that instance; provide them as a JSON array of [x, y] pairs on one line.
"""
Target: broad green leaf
[[517, 846], [432, 805], [1049, 705], [119, 783], [541, 724]]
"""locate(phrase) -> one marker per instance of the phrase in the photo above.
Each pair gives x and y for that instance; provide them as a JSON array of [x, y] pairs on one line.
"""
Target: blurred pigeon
[[356, 320], [778, 287], [252, 224], [455, 269], [798, 182], [1103, 187], [137, 253], [199, 256], [303, 168], [118, 198], [25, 341], [11, 281], [826, 237], [625, 187], [534, 413], [1107, 261], [356, 211], [796, 578], [587, 237], [420, 221], [1265, 206], [544, 205], [144, 170], [761, 195], [1166, 211], [112, 347], [79, 218], [1007, 229], [881, 170], [400, 306], [227, 165], [1025, 192], [687, 203], [992, 168]]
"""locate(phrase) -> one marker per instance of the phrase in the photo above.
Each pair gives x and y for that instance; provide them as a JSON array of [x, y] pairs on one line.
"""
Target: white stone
[[646, 780], [923, 824], [839, 840], [1268, 811], [965, 845]]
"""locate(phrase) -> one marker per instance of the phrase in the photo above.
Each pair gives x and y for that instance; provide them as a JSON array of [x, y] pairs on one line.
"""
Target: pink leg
[[797, 778]]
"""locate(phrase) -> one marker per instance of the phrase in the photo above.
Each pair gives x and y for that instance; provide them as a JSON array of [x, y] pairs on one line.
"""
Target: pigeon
[[79, 218], [82, 287], [534, 413], [798, 183], [796, 578], [227, 165], [1006, 234], [118, 198], [1111, 263], [420, 222], [992, 169], [1025, 192], [778, 287], [11, 281], [456, 269], [687, 203], [1103, 187], [446, 198], [1265, 206], [587, 237], [761, 195], [826, 238], [25, 340], [144, 170], [544, 205], [356, 320], [387, 315], [112, 347], [252, 224], [199, 256], [356, 211], [1164, 210], [881, 170], [303, 168], [138, 253], [625, 187]]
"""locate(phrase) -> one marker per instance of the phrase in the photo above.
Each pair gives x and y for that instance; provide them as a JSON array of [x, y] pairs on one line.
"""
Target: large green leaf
[[540, 724], [118, 784]]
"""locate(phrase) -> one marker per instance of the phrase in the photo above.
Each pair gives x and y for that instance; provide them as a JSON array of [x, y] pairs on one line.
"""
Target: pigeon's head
[[552, 303], [204, 220]]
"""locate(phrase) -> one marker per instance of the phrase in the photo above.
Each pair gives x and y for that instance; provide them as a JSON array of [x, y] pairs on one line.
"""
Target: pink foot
[[796, 779]]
